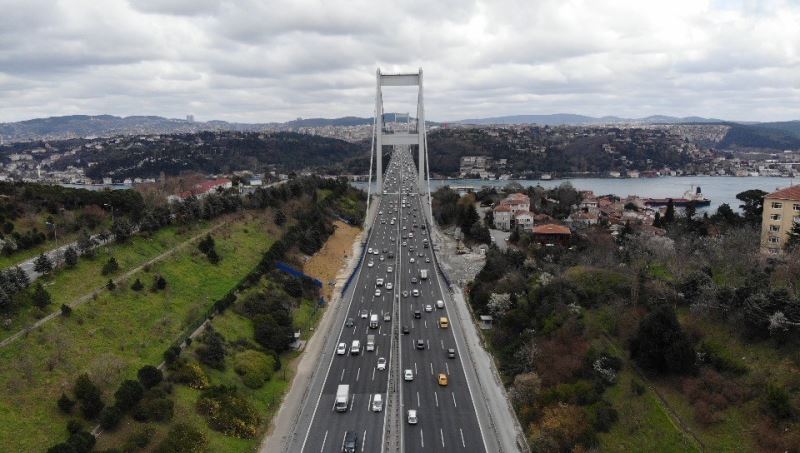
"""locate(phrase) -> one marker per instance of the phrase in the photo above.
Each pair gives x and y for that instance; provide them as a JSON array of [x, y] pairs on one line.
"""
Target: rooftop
[[789, 193], [551, 228]]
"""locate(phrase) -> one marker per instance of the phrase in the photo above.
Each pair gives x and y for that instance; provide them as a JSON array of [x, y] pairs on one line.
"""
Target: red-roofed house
[[551, 233], [508, 208], [202, 189], [781, 212]]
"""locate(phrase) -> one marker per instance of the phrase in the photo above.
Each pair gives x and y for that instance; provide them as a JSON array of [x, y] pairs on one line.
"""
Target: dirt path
[[327, 262], [86, 297]]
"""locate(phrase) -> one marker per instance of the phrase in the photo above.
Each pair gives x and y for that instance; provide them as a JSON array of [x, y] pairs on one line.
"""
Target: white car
[[369, 251], [376, 252], [439, 304], [370, 264], [415, 292], [412, 260], [428, 308], [341, 349], [377, 293], [412, 417], [390, 269], [381, 363], [408, 375], [389, 285]]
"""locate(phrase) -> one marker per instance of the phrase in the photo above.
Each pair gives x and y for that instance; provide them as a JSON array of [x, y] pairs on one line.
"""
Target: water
[[719, 189]]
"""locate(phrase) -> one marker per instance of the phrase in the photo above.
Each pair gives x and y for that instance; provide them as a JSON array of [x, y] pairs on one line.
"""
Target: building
[[551, 234], [510, 208], [524, 220], [781, 212], [202, 189], [502, 217]]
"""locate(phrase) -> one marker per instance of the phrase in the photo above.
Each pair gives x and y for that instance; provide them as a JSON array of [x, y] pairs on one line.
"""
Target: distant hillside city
[[108, 149]]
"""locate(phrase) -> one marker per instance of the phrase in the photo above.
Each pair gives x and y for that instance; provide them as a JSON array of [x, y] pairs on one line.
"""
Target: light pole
[[52, 225], [110, 206]]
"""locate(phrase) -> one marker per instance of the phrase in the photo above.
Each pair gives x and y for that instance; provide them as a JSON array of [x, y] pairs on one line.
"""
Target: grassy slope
[[115, 334], [66, 285]]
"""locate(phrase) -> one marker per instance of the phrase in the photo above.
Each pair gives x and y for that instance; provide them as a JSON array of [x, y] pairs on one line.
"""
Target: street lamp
[[112, 210]]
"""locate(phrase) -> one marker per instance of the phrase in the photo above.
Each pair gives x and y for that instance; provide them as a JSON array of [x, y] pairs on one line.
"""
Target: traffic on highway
[[397, 275]]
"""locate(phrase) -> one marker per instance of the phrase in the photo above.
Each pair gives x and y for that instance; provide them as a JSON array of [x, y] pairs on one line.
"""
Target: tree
[[70, 256], [213, 258], [110, 417], [65, 404], [669, 214], [86, 244], [128, 394], [183, 438], [794, 237], [122, 229], [212, 352], [66, 310], [726, 215], [280, 218], [137, 285], [206, 244], [657, 220], [272, 335], [111, 266], [752, 205], [111, 285], [159, 283], [42, 264], [660, 345], [690, 210], [149, 376], [41, 298]]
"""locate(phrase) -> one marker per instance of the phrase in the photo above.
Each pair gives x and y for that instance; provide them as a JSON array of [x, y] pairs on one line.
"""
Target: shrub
[[111, 285], [89, 396], [91, 406], [138, 440], [128, 394], [226, 411], [65, 404], [719, 357], [73, 426], [637, 388], [41, 298], [660, 345], [171, 354], [110, 417], [154, 409], [70, 256], [777, 402], [82, 442], [183, 438], [110, 266], [66, 310], [137, 285], [159, 283], [254, 367], [602, 416], [212, 352], [149, 376], [42, 264], [192, 375]]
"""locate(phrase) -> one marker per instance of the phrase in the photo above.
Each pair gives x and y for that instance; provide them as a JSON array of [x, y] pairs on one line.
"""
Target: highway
[[396, 253]]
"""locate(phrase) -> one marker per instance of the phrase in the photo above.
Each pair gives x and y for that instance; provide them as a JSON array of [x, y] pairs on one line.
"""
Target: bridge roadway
[[447, 419]]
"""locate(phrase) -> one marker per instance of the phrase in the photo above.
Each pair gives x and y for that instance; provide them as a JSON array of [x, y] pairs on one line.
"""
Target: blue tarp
[[280, 265]]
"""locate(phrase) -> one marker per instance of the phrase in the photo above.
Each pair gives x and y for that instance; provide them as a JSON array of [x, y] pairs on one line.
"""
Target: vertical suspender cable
[[369, 179]]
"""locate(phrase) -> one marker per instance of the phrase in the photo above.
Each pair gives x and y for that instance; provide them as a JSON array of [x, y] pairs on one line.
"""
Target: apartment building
[[781, 212]]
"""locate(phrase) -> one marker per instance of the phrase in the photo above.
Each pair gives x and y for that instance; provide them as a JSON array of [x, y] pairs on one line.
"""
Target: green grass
[[643, 425], [115, 334], [68, 284]]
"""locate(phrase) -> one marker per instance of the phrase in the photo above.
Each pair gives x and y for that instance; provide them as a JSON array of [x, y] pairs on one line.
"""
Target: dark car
[[417, 314], [349, 322], [406, 330], [420, 344], [350, 442], [451, 353]]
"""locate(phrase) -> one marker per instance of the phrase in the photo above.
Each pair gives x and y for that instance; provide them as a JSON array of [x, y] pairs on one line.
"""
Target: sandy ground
[[327, 262]]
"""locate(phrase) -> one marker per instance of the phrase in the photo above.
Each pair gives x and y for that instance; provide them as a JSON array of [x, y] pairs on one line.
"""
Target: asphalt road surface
[[446, 414]]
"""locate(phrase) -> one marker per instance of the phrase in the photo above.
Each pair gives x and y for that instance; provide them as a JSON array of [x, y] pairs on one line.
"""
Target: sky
[[260, 61]]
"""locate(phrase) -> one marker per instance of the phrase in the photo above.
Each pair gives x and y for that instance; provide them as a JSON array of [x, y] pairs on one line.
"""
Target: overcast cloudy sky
[[259, 61]]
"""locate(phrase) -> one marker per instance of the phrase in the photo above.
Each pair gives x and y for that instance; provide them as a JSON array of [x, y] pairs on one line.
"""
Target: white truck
[[423, 274], [373, 321], [370, 343], [342, 398]]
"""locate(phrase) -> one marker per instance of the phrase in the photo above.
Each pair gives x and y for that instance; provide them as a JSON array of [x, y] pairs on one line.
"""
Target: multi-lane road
[[409, 324]]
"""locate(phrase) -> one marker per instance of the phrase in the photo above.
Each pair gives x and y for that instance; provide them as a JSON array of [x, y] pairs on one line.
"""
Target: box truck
[[370, 342], [342, 398]]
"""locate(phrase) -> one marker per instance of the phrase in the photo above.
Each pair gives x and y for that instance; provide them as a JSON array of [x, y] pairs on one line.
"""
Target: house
[[551, 234], [583, 218], [508, 208], [524, 220], [502, 217], [202, 189], [781, 212]]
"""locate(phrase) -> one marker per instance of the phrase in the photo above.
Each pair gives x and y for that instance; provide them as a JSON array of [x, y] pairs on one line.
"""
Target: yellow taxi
[[442, 379], [443, 323]]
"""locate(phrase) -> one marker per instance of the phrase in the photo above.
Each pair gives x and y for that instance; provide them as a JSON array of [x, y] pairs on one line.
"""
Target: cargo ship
[[690, 196]]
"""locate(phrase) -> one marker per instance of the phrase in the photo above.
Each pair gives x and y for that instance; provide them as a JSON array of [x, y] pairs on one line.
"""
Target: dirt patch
[[325, 264]]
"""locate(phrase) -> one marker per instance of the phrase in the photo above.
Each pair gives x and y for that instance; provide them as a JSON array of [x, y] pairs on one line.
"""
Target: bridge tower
[[415, 134]]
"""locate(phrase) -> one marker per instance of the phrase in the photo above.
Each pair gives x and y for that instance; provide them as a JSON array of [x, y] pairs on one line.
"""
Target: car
[[390, 269], [369, 251], [341, 349], [442, 379], [420, 254], [378, 282], [420, 344], [440, 304], [417, 314], [427, 260], [381, 364], [385, 250], [387, 317], [377, 293], [349, 322], [350, 444], [408, 375], [377, 403], [404, 227], [428, 308], [415, 292], [406, 330], [412, 417], [451, 353], [412, 260], [443, 322], [376, 252], [414, 280], [405, 243], [405, 293], [389, 286], [364, 314], [370, 264], [381, 258]]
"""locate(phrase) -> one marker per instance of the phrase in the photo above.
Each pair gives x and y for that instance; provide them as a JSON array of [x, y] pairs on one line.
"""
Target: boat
[[689, 196]]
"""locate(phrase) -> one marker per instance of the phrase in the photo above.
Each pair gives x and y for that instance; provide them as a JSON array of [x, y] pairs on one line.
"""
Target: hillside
[[777, 136], [568, 119]]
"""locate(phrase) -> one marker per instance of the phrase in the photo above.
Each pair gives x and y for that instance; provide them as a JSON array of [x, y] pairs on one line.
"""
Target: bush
[[254, 367], [65, 404], [82, 442], [111, 285], [66, 310], [777, 403], [637, 388], [212, 351], [149, 376], [91, 406], [192, 375], [183, 438], [73, 426], [128, 394], [110, 266], [70, 256], [172, 354], [41, 298], [89, 396], [660, 345], [228, 412], [138, 440], [603, 416], [154, 409], [716, 355], [159, 283], [110, 417], [137, 285]]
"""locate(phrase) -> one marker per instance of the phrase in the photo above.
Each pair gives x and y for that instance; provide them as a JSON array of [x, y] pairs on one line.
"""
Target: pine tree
[[111, 266], [794, 236], [137, 285], [43, 265], [41, 298], [70, 256], [111, 285], [669, 214]]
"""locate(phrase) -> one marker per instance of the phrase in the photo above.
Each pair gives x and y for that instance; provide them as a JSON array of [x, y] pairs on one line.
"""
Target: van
[[377, 403], [370, 343], [373, 321], [355, 347], [443, 322]]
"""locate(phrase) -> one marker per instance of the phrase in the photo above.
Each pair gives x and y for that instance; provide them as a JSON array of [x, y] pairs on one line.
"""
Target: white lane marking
[[418, 403], [441, 434], [373, 374], [464, 445], [358, 373], [421, 439], [447, 368], [415, 369], [369, 401], [352, 401], [436, 397], [323, 441], [442, 342], [431, 368], [454, 399], [341, 377], [364, 440], [428, 342]]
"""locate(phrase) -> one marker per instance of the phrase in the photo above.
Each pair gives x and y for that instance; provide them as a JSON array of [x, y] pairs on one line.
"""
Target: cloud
[[258, 61]]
